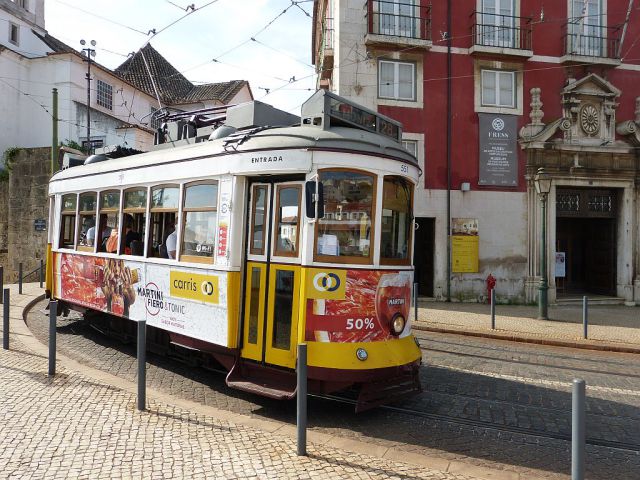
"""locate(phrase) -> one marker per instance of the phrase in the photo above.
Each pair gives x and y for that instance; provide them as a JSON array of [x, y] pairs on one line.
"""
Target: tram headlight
[[362, 354], [398, 324]]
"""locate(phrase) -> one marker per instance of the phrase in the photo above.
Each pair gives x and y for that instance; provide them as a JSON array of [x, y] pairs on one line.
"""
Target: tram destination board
[[363, 119]]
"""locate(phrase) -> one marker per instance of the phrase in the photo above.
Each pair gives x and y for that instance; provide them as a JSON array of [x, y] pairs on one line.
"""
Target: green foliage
[[8, 158], [72, 144]]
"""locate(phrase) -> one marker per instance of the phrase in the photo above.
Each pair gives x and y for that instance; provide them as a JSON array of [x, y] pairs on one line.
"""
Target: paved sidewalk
[[611, 327], [83, 423]]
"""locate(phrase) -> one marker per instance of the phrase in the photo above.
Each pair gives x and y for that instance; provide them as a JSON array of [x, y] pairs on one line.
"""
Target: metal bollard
[[142, 365], [5, 319], [20, 278], [1, 282], [578, 430], [585, 315], [41, 272], [415, 302], [493, 309], [301, 417], [53, 314]]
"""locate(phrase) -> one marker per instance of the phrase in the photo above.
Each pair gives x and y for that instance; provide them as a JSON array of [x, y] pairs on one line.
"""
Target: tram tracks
[[596, 442]]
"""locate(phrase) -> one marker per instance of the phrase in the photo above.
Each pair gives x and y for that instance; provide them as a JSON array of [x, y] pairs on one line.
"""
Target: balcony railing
[[584, 40], [501, 31], [328, 33], [399, 18]]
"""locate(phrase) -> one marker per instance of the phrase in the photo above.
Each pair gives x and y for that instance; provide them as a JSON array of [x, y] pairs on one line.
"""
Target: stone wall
[[23, 199]]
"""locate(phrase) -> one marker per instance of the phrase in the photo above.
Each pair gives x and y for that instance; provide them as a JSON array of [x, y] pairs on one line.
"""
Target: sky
[[211, 44]]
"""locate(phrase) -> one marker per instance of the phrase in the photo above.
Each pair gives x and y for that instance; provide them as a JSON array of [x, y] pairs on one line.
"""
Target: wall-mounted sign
[[561, 269], [498, 150], [465, 245], [40, 225]]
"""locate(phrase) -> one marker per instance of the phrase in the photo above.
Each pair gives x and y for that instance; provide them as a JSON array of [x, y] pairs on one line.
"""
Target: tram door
[[272, 282]]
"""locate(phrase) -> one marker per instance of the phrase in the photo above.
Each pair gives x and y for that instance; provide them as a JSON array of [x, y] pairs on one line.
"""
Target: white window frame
[[392, 18], [493, 21], [411, 146], [587, 28], [104, 94], [15, 26], [396, 83], [498, 74]]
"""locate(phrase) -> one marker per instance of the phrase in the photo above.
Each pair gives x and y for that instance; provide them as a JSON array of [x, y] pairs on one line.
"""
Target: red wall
[[551, 77]]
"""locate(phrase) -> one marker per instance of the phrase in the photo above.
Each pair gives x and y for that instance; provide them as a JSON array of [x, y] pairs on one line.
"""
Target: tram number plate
[[404, 168], [360, 324]]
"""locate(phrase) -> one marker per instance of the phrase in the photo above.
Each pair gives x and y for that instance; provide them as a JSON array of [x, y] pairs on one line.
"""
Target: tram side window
[[345, 233], [164, 210], [396, 220], [68, 221], [87, 223], [134, 222], [107, 239], [200, 222]]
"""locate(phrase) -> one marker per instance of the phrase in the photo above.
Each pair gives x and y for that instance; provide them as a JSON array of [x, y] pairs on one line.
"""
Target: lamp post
[[542, 181], [89, 53]]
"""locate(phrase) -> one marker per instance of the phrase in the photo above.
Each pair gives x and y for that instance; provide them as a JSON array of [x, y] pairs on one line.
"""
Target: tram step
[[380, 393], [263, 380]]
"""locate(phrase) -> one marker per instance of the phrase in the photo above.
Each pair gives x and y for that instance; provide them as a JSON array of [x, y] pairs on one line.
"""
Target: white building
[[32, 63]]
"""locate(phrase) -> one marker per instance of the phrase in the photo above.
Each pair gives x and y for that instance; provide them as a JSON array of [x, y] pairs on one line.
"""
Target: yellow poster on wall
[[465, 245]]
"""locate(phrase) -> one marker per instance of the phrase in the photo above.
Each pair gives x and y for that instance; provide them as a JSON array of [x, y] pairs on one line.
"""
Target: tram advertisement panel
[[185, 301], [356, 305]]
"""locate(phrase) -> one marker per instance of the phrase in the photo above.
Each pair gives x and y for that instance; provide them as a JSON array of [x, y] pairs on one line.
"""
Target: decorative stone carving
[[589, 119], [535, 126]]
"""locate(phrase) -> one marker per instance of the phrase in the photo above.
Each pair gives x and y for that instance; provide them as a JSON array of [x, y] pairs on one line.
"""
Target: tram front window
[[396, 220], [346, 229]]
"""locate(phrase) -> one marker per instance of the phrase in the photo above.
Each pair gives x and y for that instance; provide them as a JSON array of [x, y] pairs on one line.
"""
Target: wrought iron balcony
[[599, 42], [491, 31], [398, 22]]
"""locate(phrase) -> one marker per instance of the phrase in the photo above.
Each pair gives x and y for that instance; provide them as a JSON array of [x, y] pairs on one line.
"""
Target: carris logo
[[326, 282]]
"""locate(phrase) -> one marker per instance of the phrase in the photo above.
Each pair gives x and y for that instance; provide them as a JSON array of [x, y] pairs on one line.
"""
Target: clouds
[[220, 31]]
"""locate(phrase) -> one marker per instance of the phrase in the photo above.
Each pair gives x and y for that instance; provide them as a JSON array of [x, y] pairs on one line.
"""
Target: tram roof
[[261, 139]]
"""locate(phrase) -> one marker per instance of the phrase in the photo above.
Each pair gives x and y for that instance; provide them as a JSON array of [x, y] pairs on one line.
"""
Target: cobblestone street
[[73, 426], [497, 388]]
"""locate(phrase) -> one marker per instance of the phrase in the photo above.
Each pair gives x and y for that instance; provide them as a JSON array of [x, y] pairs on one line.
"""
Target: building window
[[14, 33], [22, 3], [498, 89], [586, 36], [397, 17], [154, 121], [411, 146], [104, 96], [498, 23], [397, 80]]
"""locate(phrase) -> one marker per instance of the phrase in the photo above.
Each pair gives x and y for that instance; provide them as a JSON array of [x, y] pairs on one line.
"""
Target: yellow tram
[[245, 232]]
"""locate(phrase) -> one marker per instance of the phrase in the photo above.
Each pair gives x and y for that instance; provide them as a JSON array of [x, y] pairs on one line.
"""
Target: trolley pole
[[5, 319], [142, 365], [585, 315], [301, 418], [578, 430], [53, 313]]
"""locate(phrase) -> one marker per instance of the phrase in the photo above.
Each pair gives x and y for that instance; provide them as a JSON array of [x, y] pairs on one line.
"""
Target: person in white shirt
[[171, 243]]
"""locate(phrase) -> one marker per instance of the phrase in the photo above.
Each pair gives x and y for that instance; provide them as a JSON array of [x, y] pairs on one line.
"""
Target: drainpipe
[[449, 150]]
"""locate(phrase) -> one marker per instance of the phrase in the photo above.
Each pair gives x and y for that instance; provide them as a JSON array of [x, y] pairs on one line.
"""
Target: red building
[[489, 91]]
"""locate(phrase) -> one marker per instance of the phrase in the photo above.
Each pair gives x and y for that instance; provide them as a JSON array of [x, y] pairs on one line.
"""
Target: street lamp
[[542, 181], [89, 53]]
